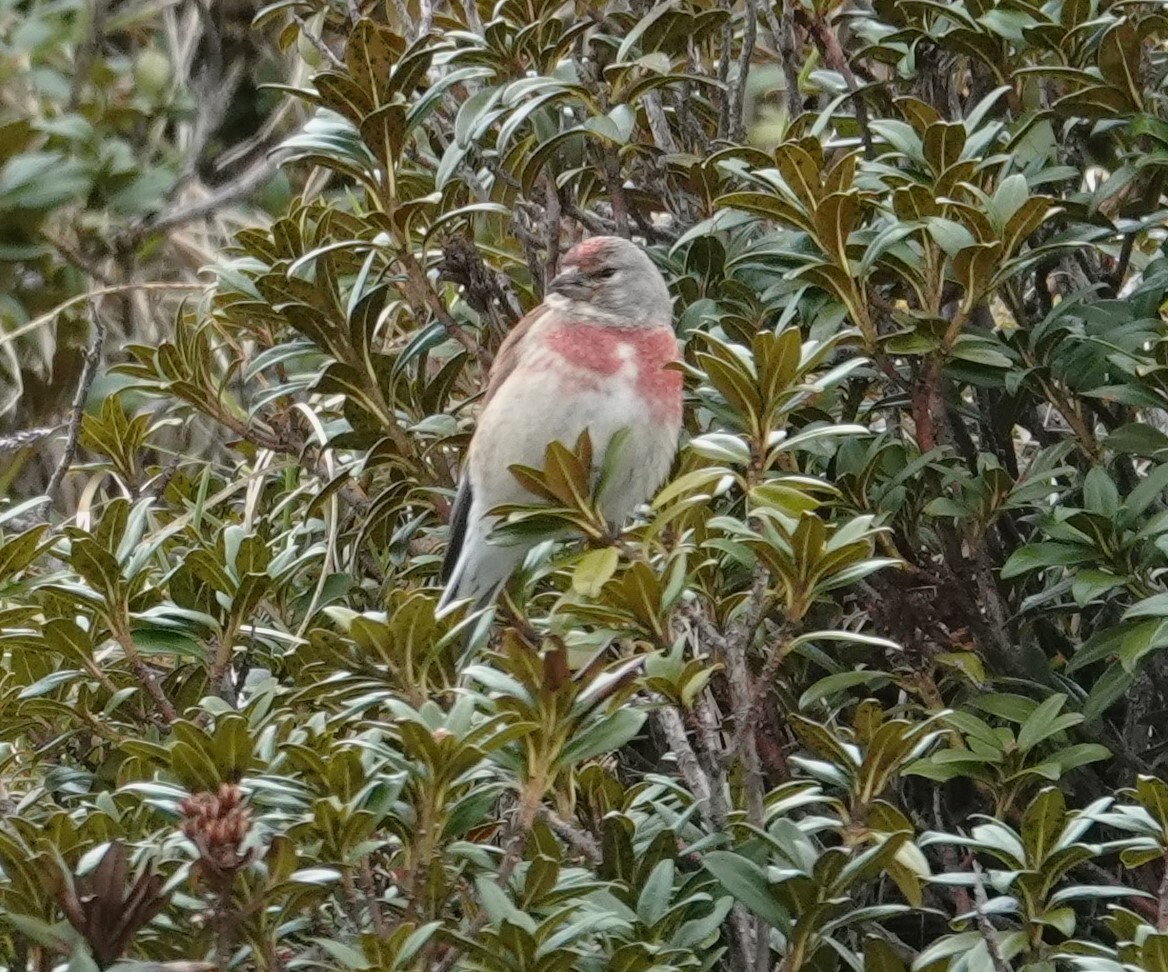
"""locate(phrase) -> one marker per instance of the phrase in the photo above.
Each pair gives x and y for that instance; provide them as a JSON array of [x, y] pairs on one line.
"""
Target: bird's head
[[615, 278]]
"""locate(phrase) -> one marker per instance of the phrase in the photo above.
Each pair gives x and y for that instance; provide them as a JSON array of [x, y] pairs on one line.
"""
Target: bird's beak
[[571, 284]]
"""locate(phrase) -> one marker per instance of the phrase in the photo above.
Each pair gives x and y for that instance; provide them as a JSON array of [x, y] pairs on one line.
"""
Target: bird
[[593, 356]]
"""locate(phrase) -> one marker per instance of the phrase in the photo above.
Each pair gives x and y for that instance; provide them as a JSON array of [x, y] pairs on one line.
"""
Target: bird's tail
[[482, 567]]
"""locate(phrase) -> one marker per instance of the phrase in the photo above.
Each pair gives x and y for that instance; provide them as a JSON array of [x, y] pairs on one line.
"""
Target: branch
[[422, 296], [26, 438], [552, 215], [742, 699], [51, 315], [735, 126], [616, 191], [724, 56], [582, 842], [834, 57], [783, 33], [143, 674], [87, 52], [529, 806], [671, 726], [318, 42], [658, 123], [989, 933], [742, 695], [1121, 265], [754, 704], [88, 373]]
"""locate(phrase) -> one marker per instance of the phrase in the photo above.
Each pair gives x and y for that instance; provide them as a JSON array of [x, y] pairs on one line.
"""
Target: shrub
[[875, 682]]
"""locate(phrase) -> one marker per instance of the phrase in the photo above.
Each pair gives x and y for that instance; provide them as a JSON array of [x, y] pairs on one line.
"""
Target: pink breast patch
[[597, 352]]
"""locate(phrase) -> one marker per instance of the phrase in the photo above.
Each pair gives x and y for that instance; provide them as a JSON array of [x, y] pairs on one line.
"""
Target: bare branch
[[88, 373], [989, 933], [582, 842], [318, 42], [737, 123], [783, 34], [671, 726]]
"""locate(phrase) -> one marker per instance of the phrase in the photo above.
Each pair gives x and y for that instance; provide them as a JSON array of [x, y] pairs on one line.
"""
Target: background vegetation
[[878, 683]]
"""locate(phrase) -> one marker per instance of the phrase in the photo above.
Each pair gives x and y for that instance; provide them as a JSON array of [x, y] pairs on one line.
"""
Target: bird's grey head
[[615, 278]]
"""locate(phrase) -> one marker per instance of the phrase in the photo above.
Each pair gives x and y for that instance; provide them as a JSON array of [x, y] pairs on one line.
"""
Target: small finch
[[591, 357]]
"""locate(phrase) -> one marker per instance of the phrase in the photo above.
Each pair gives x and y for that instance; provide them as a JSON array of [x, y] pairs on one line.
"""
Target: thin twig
[[989, 933], [318, 42], [529, 806], [1121, 265], [88, 373], [1162, 904], [421, 295], [142, 672], [50, 315]]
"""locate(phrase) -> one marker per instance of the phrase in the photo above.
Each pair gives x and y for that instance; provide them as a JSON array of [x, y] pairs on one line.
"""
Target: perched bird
[[591, 356]]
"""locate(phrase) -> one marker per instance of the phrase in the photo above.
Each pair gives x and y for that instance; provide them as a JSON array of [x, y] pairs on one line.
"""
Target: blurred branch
[[579, 840], [87, 52], [240, 187], [88, 373], [126, 288], [27, 438]]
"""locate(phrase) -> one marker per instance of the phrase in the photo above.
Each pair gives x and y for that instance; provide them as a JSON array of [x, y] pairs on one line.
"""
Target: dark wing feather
[[459, 515]]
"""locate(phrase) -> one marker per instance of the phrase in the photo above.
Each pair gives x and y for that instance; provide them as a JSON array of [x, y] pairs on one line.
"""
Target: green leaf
[[747, 883], [594, 570], [606, 735]]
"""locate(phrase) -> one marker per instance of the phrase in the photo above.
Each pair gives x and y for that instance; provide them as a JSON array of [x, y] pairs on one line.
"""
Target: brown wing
[[508, 355], [504, 363]]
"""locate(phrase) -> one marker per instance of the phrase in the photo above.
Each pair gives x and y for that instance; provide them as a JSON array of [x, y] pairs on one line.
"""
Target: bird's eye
[[606, 273]]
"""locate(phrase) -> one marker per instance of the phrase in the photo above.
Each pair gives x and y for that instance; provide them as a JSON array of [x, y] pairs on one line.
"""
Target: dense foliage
[[875, 684]]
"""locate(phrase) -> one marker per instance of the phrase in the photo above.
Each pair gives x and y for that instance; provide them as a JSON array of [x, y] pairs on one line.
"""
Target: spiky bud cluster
[[217, 824]]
